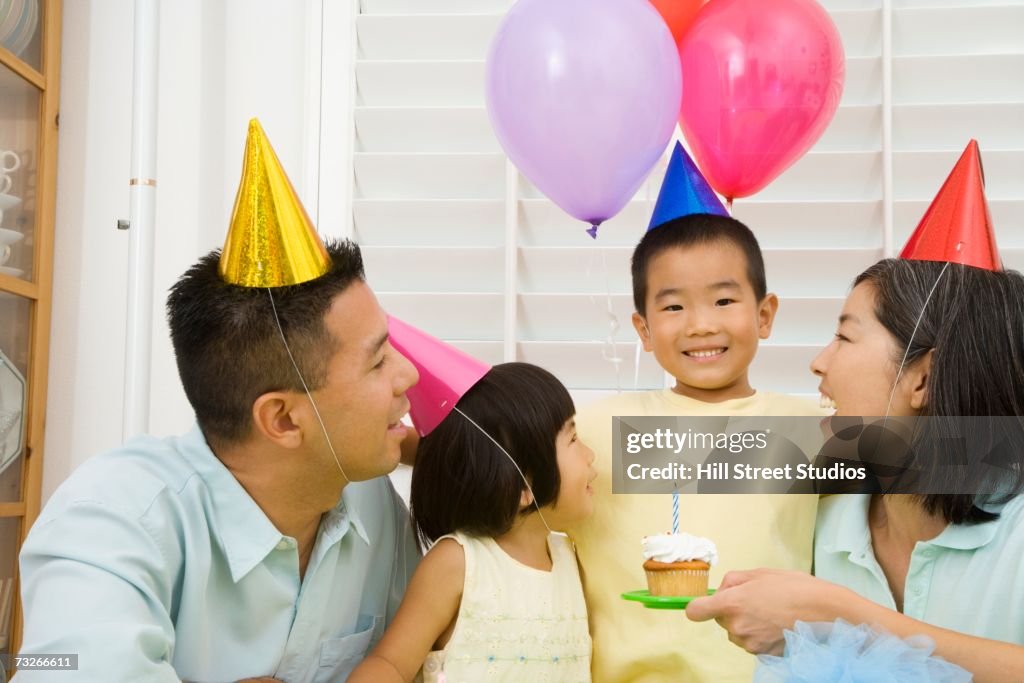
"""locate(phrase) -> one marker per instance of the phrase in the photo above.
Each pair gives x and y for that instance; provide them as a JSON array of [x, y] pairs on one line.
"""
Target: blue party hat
[[684, 191]]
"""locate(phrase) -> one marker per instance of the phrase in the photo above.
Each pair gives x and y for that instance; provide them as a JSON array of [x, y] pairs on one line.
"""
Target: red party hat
[[957, 227], [445, 374]]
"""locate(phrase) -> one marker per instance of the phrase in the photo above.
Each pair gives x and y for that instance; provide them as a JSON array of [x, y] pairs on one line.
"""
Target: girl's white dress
[[516, 623]]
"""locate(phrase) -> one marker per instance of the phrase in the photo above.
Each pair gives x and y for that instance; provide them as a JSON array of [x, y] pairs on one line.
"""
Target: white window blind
[[430, 186]]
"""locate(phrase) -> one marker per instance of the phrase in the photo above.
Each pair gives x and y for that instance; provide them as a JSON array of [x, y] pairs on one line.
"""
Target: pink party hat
[[445, 374]]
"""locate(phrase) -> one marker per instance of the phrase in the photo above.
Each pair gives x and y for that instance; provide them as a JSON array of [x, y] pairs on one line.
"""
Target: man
[[266, 542]]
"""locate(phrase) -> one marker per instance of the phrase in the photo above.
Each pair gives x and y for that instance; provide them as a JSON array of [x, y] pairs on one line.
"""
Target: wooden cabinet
[[29, 80]]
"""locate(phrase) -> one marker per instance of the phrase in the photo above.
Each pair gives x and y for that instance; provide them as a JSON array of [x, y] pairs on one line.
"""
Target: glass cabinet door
[[21, 24], [9, 531], [29, 79], [19, 139], [14, 351]]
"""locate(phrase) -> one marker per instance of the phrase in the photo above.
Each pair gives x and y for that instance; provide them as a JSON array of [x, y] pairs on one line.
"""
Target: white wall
[[220, 64]]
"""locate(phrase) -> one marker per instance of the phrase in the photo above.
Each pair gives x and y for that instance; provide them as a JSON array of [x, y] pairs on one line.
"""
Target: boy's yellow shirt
[[632, 643]]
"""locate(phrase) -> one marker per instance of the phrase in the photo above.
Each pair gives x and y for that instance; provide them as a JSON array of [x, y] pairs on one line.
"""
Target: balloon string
[[728, 205], [649, 200], [610, 351], [636, 365]]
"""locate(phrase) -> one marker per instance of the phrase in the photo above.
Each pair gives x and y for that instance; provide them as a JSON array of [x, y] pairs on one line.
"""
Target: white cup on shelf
[[9, 163], [8, 239]]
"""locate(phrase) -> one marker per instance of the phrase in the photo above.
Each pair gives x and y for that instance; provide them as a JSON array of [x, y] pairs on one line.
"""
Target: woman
[[914, 338]]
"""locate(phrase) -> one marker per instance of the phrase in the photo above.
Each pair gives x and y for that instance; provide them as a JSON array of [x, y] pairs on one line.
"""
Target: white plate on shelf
[[8, 200], [10, 236], [13, 272], [12, 412]]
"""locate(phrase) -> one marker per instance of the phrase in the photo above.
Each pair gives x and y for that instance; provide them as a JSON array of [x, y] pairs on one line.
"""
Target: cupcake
[[678, 564]]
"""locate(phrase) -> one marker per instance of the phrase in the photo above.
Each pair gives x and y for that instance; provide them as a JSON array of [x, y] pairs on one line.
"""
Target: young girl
[[498, 596]]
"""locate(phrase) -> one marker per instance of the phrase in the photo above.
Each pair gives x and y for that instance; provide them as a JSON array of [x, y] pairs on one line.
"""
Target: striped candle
[[675, 512]]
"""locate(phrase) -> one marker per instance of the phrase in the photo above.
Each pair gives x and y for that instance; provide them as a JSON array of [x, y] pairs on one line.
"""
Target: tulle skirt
[[839, 652]]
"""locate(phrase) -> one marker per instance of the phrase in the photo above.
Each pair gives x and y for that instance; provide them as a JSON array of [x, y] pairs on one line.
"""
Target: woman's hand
[[756, 606]]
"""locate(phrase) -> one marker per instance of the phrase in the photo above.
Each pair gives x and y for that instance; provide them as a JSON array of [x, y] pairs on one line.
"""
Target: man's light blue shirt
[[152, 563], [966, 579]]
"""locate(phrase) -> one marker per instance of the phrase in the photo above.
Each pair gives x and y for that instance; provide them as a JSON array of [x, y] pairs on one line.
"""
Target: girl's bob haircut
[[463, 482]]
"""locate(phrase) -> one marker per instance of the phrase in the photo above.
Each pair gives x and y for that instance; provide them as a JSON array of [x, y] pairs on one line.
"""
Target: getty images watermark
[[729, 454]]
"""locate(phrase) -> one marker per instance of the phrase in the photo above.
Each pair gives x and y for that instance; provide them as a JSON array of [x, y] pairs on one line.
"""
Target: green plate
[[661, 601]]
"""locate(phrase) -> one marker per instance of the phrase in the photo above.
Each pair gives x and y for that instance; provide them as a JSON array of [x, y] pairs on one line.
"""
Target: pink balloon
[[761, 82], [583, 95]]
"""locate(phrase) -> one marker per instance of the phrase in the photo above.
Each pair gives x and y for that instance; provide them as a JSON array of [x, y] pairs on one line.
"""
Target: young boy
[[701, 307]]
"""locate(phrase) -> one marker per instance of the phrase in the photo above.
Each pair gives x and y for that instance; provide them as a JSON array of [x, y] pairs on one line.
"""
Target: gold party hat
[[271, 241]]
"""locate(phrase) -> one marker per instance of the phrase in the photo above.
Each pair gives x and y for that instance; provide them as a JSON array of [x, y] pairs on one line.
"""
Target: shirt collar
[[853, 536], [728, 407], [349, 506], [246, 532], [851, 532], [969, 536]]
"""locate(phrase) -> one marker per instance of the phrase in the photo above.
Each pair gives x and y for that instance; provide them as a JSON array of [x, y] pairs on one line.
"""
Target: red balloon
[[761, 82], [678, 14]]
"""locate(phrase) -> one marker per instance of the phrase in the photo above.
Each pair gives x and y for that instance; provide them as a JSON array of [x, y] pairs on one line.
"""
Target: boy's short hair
[[463, 482], [696, 229], [227, 345]]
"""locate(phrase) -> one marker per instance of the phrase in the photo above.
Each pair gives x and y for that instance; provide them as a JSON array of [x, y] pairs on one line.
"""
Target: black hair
[[463, 482], [227, 345], [692, 230], [974, 316]]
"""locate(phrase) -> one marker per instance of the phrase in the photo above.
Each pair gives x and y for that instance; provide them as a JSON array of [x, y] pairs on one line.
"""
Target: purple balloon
[[584, 95]]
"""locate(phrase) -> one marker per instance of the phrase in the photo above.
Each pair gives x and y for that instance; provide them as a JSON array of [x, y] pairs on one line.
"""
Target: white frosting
[[680, 548]]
